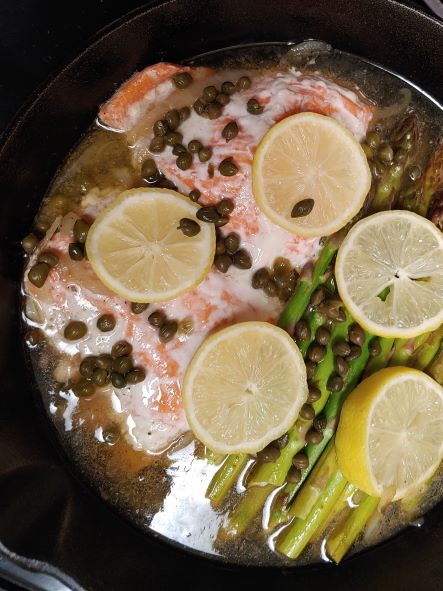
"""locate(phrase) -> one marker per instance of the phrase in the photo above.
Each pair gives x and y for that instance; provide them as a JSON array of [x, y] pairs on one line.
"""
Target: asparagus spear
[[225, 477], [435, 370]]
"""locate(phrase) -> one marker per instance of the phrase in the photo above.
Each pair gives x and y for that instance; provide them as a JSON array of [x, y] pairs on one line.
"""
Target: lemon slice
[[389, 273], [137, 250], [390, 436], [244, 387], [310, 156]]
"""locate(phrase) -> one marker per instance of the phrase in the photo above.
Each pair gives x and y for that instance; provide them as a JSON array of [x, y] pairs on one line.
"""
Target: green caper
[[242, 259], [284, 293], [38, 273], [356, 334], [220, 247], [261, 278], [122, 364], [157, 318], [138, 307], [118, 381], [232, 242], [87, 366], [160, 128], [318, 296], [282, 441], [167, 331], [184, 161], [369, 152], [230, 131], [29, 243], [221, 221], [100, 377], [200, 107], [322, 336], [104, 361], [316, 353], [186, 327], [300, 460], [375, 347], [386, 154], [307, 412], [184, 113], [165, 183], [121, 348], [207, 214], [210, 168], [173, 137], [314, 393], [302, 331], [189, 227], [49, 258], [320, 423], [135, 376], [75, 330], [111, 435], [81, 229], [414, 173], [341, 348], [228, 87], [106, 322], [302, 208], [281, 264], [335, 384], [76, 251], [400, 156], [294, 475], [194, 195], [253, 107], [182, 80], [341, 366], [270, 453], [223, 262], [271, 289], [313, 437], [173, 119], [222, 99], [209, 93], [373, 139], [311, 366], [214, 110], [227, 167], [225, 206], [204, 154], [243, 83], [157, 145], [83, 388], [354, 353], [148, 169], [195, 146]]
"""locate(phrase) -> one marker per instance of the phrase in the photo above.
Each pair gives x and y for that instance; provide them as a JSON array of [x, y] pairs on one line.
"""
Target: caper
[[49, 258], [222, 221], [269, 454], [184, 161], [302, 331], [200, 107], [356, 334], [322, 336], [148, 169], [160, 128], [318, 296], [100, 377], [400, 156], [83, 388], [294, 475], [314, 393], [414, 173], [307, 412], [122, 364], [300, 460], [38, 273], [313, 437], [173, 137], [335, 384], [204, 154], [369, 152], [81, 229], [157, 145], [222, 262], [29, 243], [341, 348], [135, 376], [282, 441], [220, 247], [210, 168], [111, 435], [243, 83], [209, 93], [222, 99], [186, 327], [194, 195], [232, 242], [242, 259], [33, 337], [253, 107], [106, 322], [189, 227], [281, 277], [260, 278], [225, 206], [386, 154], [173, 119], [316, 353], [182, 80], [184, 113], [104, 361], [271, 289], [121, 348], [207, 214], [341, 367], [157, 318], [228, 87], [167, 331], [311, 366], [194, 146], [87, 366], [302, 208], [76, 251], [118, 381], [320, 423], [354, 353], [374, 347], [227, 167], [75, 330], [138, 307], [230, 131], [373, 139]]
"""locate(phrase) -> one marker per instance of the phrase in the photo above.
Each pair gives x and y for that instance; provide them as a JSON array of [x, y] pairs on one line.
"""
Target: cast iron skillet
[[46, 514]]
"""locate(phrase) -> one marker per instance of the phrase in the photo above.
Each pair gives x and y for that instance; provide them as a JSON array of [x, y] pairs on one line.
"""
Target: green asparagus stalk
[[435, 370], [213, 458], [225, 477], [428, 350], [341, 509], [405, 348], [432, 183], [381, 360], [252, 502]]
